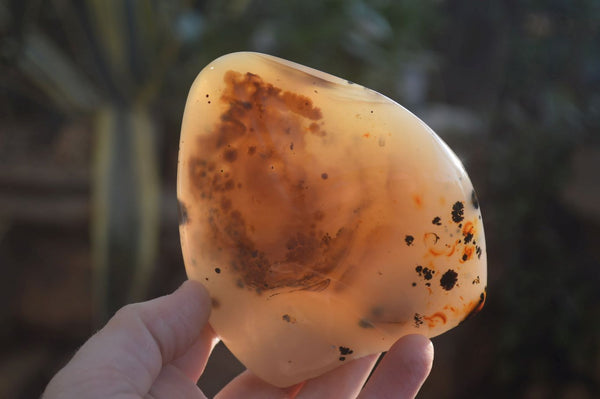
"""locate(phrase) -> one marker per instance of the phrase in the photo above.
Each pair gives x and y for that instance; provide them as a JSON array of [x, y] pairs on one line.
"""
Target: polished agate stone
[[325, 220]]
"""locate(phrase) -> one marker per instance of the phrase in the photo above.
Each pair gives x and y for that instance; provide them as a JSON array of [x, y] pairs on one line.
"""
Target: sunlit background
[[91, 98]]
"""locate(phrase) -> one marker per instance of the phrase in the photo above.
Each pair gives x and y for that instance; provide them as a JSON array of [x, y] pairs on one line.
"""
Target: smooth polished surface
[[325, 220]]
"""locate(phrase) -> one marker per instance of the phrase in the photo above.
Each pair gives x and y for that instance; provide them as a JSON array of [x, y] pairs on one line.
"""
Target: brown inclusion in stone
[[300, 188]]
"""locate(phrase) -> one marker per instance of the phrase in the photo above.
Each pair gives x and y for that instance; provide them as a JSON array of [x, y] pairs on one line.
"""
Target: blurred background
[[91, 97]]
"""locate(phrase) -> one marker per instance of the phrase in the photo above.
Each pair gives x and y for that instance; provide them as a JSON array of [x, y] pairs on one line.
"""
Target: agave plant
[[107, 63]]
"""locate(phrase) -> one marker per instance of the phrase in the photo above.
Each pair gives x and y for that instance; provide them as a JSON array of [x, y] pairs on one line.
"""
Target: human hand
[[158, 349]]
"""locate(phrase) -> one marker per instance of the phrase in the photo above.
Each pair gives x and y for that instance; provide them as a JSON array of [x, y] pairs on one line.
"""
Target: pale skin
[[158, 349]]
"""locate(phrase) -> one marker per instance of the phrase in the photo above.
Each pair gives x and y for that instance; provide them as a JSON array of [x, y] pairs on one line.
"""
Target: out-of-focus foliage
[[541, 250], [513, 87], [107, 61]]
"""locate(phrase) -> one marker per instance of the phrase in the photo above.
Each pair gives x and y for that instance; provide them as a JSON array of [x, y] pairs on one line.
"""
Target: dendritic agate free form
[[325, 220]]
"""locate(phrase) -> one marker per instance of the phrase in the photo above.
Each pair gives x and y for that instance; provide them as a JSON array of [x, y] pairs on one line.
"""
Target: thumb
[[127, 354]]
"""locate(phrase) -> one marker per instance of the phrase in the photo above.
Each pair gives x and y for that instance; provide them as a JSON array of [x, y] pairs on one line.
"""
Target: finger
[[248, 386], [402, 371], [171, 323], [193, 361], [132, 348], [342, 382], [173, 383]]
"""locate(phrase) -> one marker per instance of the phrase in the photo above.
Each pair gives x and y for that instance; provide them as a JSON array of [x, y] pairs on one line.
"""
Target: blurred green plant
[[107, 63]]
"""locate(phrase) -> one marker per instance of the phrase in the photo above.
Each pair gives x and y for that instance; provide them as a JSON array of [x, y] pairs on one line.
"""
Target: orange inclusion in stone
[[315, 242]]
